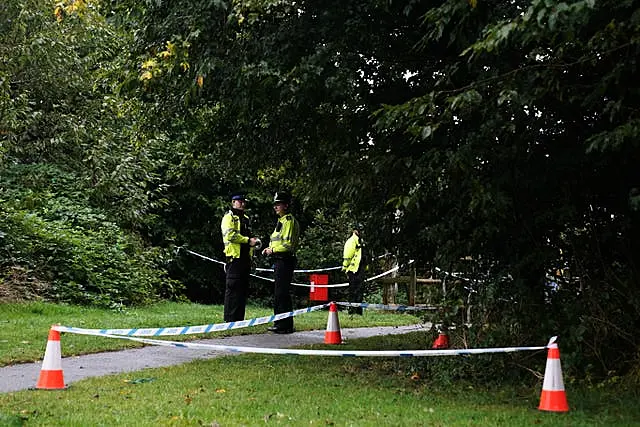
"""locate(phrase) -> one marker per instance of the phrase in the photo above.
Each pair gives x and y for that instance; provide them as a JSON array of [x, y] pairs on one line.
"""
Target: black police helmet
[[282, 197]]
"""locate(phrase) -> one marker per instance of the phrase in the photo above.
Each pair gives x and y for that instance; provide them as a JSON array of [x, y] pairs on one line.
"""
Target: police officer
[[282, 248], [353, 263], [238, 250]]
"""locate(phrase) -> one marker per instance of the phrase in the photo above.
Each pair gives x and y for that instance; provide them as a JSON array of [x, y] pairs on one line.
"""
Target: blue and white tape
[[336, 285], [187, 330], [394, 269], [302, 352], [200, 255], [306, 285], [217, 327], [387, 307], [317, 270]]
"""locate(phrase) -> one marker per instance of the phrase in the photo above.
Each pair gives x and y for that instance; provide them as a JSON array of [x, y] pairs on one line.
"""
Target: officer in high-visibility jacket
[[282, 248], [238, 250], [353, 263]]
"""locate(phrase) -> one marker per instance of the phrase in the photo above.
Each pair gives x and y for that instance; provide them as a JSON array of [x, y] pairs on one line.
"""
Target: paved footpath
[[25, 376]]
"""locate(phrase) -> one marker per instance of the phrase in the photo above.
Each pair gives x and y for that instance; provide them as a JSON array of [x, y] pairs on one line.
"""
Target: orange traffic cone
[[442, 341], [332, 335], [553, 397], [51, 377]]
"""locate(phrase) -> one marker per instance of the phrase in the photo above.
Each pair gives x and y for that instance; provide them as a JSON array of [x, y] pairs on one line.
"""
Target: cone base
[[553, 401], [51, 380], [442, 342], [332, 337]]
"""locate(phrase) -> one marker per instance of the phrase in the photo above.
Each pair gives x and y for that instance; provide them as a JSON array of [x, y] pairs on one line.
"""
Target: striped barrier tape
[[454, 275], [187, 330], [301, 352], [317, 270], [270, 269], [258, 269], [337, 285], [200, 255], [217, 327], [394, 269], [304, 285], [387, 307]]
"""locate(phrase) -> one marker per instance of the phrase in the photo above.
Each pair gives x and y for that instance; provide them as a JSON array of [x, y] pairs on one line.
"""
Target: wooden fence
[[413, 283]]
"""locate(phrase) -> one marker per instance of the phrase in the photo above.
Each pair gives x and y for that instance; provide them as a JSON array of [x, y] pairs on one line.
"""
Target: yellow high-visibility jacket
[[352, 254], [231, 236], [284, 238]]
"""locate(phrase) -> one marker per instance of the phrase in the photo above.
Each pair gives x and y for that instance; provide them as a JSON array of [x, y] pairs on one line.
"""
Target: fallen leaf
[[140, 380]]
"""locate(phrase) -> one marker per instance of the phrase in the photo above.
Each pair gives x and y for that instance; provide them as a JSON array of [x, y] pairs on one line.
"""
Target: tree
[[77, 174], [501, 131]]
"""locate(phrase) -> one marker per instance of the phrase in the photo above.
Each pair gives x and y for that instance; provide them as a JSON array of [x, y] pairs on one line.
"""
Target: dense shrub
[[86, 258]]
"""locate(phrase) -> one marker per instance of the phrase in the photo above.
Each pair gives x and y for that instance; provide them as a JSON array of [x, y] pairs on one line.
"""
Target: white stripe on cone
[[553, 397], [554, 381], [51, 375], [332, 335], [52, 357]]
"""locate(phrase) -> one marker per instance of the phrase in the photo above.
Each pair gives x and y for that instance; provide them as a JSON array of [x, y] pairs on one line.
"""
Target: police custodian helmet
[[282, 197]]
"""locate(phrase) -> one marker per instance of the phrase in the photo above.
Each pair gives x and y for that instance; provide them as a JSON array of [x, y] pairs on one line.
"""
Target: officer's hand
[[252, 241], [267, 251]]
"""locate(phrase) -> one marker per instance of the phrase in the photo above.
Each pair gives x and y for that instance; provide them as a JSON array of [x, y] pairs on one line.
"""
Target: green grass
[[256, 389], [252, 390], [24, 327]]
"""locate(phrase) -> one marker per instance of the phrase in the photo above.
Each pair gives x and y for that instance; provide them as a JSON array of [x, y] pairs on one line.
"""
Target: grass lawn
[[24, 327], [253, 390], [256, 389]]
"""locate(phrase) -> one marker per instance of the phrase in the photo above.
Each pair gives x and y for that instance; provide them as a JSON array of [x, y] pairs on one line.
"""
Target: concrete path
[[25, 376]]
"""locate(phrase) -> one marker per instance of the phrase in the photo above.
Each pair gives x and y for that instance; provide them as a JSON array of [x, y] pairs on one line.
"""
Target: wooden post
[[411, 287]]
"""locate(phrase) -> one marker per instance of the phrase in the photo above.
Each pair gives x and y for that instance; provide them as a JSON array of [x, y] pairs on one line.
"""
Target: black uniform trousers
[[282, 302], [355, 290], [237, 288]]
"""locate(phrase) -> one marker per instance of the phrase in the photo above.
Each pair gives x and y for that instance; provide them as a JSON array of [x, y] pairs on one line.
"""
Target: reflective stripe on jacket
[[231, 237], [352, 254], [284, 238]]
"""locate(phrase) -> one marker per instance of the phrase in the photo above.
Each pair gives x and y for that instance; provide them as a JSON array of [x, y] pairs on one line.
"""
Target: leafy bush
[[48, 230]]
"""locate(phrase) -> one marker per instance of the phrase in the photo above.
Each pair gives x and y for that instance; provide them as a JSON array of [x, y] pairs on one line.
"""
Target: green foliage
[[50, 231], [61, 86], [501, 131]]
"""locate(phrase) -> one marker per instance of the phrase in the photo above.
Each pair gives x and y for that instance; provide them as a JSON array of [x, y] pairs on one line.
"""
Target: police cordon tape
[[217, 327], [388, 307], [308, 285], [318, 270], [301, 352], [187, 330]]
